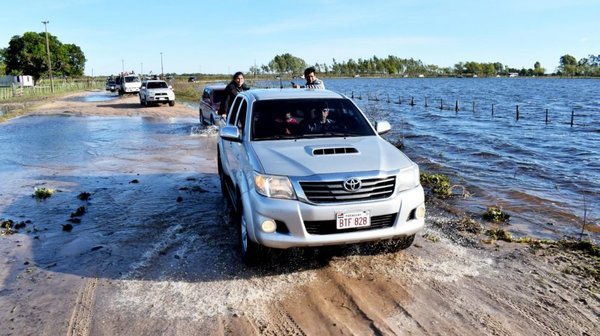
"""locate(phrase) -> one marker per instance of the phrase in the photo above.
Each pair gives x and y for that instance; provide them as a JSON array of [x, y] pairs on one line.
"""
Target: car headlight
[[274, 186], [408, 178]]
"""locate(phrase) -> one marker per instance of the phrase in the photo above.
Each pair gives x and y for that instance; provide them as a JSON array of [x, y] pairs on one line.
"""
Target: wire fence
[[17, 92], [573, 116]]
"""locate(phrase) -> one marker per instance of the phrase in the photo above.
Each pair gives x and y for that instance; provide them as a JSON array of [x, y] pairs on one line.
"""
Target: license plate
[[349, 220]]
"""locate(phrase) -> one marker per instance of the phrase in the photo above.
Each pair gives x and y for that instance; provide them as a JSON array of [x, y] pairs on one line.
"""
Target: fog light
[[268, 226], [420, 213]]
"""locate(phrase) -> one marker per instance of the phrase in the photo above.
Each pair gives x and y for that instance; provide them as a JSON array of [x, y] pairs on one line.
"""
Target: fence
[[16, 91], [456, 106]]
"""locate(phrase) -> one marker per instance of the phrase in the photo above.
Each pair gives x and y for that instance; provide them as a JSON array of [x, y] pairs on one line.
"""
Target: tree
[[26, 55], [568, 65], [538, 70], [287, 63]]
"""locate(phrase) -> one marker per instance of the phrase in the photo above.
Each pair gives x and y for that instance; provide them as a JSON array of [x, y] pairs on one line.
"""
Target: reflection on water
[[95, 96]]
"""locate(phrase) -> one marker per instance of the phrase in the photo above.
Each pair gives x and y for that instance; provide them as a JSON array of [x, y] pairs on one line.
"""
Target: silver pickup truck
[[304, 168]]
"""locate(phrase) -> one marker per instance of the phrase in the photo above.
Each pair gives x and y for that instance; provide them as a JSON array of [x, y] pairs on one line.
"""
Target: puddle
[[95, 97]]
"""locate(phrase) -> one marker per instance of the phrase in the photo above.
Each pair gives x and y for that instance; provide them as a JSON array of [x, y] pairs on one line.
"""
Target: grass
[[438, 183], [496, 215], [42, 193]]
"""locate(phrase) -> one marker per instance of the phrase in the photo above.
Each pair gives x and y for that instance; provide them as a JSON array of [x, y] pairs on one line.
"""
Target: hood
[[329, 155]]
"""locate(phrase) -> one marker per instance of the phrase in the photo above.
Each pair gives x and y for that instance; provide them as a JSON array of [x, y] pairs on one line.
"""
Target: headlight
[[274, 186], [408, 178]]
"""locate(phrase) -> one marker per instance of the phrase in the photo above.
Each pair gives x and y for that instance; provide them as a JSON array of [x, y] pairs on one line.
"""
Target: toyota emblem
[[352, 184]]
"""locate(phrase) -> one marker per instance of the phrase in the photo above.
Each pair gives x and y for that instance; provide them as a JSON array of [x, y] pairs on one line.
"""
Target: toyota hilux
[[306, 168]]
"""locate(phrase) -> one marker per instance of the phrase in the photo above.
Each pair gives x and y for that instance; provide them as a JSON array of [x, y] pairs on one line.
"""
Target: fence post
[[456, 108], [572, 117], [517, 112], [546, 116], [412, 101], [492, 110], [473, 106], [425, 101], [441, 104]]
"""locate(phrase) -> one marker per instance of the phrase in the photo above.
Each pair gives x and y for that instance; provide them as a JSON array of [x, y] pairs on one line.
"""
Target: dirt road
[[155, 254]]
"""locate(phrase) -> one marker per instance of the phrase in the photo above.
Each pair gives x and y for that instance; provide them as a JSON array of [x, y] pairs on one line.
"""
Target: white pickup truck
[[305, 168], [128, 84]]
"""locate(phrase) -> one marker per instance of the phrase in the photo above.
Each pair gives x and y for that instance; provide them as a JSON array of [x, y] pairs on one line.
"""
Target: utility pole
[[162, 71], [48, 53]]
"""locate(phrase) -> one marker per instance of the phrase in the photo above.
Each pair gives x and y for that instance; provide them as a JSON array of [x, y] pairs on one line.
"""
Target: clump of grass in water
[[439, 184], [42, 193], [496, 215]]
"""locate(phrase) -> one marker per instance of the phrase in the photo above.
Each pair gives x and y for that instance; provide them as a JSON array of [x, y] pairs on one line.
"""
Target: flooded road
[[136, 239]]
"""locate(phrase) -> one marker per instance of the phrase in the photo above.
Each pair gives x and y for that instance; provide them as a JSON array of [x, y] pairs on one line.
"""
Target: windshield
[[157, 85], [307, 118], [131, 79]]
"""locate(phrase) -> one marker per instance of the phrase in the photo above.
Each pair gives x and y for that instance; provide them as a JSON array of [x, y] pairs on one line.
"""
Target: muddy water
[[145, 176]]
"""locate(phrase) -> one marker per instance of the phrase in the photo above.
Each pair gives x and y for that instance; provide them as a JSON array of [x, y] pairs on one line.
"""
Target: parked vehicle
[[156, 92], [209, 103], [305, 168]]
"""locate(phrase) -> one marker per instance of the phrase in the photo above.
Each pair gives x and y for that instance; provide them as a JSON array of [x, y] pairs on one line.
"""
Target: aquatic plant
[[438, 183], [42, 193], [499, 234], [84, 196], [495, 214]]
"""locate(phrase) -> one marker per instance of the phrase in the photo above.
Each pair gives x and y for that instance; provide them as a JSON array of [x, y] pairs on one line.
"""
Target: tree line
[[396, 66], [27, 55]]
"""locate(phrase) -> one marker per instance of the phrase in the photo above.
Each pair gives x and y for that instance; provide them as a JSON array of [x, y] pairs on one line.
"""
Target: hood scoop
[[334, 151]]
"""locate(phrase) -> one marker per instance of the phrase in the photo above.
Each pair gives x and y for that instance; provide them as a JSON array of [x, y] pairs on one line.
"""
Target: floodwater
[[147, 177], [539, 169]]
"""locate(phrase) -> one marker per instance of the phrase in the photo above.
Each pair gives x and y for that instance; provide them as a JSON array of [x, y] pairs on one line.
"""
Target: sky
[[223, 36]]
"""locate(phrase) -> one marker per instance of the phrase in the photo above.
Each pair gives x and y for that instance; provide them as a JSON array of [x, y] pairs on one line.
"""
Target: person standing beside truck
[[234, 87]]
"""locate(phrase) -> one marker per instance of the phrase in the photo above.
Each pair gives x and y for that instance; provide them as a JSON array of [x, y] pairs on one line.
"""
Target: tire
[[171, 103], [201, 116], [141, 101], [222, 177], [252, 253], [402, 243]]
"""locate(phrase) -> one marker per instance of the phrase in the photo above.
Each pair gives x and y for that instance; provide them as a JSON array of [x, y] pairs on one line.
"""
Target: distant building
[[22, 80]]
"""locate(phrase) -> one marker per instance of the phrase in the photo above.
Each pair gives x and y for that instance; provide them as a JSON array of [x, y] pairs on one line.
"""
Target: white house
[[22, 80]]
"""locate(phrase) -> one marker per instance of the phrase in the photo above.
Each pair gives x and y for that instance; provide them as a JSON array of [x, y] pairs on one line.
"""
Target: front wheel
[[202, 121], [252, 252], [171, 103]]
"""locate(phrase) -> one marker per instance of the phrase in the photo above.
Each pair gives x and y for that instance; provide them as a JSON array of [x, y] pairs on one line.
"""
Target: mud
[[155, 251]]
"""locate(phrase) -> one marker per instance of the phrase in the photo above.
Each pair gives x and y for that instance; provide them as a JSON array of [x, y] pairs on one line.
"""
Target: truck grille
[[334, 192], [329, 227]]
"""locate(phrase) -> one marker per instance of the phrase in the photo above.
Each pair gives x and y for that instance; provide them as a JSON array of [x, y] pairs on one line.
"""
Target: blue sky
[[223, 36]]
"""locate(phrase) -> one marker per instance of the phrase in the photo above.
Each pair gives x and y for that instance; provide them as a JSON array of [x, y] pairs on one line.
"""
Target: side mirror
[[231, 133], [382, 127]]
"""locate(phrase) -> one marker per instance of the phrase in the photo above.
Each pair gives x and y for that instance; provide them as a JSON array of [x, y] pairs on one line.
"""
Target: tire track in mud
[[81, 319], [280, 323]]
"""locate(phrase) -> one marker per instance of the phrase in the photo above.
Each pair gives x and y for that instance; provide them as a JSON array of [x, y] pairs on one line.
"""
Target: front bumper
[[293, 216]]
